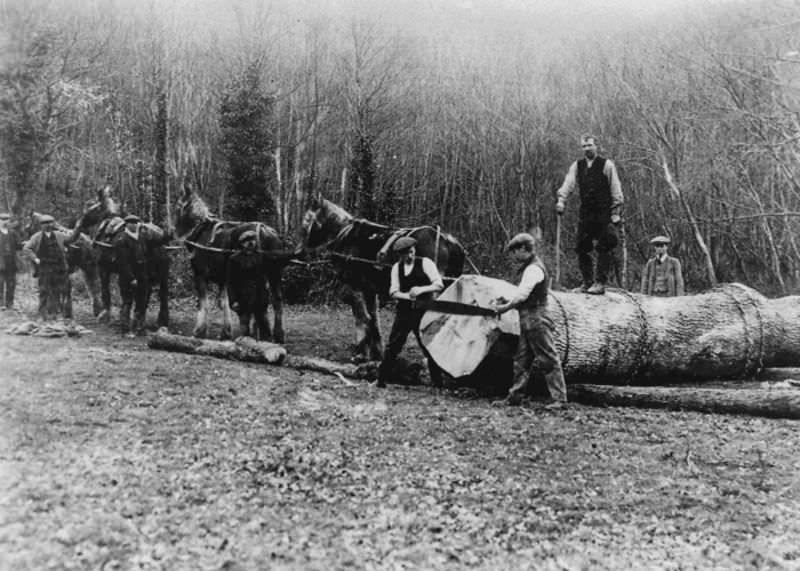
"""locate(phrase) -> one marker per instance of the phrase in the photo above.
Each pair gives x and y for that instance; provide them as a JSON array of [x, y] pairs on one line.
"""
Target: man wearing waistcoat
[[662, 275], [599, 215], [246, 284], [47, 248], [536, 349], [9, 244], [412, 280]]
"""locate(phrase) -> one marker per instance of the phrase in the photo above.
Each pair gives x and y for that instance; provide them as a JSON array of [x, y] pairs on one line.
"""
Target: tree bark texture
[[621, 338], [773, 403], [242, 349]]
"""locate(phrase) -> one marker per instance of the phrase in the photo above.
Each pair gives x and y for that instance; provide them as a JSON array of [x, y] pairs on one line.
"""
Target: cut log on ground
[[363, 371], [242, 349], [773, 403], [621, 338]]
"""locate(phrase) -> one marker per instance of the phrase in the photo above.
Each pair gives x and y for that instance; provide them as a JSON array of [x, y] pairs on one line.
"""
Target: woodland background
[[463, 114]]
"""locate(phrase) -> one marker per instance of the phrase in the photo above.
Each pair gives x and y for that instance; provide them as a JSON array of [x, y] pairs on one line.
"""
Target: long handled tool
[[558, 252]]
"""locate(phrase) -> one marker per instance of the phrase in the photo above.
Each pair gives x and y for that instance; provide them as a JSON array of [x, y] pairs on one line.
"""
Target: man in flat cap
[[412, 280], [662, 274], [536, 349], [47, 248], [246, 284], [130, 251], [600, 212], [9, 244]]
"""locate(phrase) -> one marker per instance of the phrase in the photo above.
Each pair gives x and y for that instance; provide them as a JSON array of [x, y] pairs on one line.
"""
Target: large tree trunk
[[623, 338], [774, 403]]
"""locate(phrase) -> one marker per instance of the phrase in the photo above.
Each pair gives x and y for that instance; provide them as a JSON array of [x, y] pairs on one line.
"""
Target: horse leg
[[276, 292], [67, 299], [201, 321], [374, 341], [163, 297], [355, 300], [90, 279], [227, 320], [105, 294]]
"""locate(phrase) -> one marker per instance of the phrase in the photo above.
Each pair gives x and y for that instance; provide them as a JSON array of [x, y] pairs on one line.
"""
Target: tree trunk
[[242, 349], [621, 338], [774, 403]]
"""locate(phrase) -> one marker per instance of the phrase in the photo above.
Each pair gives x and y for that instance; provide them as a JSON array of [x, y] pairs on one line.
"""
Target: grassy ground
[[113, 456]]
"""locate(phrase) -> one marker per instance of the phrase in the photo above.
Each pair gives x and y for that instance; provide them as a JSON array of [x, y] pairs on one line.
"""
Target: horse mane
[[336, 212]]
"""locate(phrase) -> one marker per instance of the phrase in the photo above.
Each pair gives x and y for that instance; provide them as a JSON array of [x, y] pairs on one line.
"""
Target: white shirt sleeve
[[432, 272], [532, 275], [569, 183], [394, 282], [617, 198]]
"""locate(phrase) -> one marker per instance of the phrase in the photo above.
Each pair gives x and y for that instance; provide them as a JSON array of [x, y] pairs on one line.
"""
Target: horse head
[[190, 210], [322, 222], [98, 210]]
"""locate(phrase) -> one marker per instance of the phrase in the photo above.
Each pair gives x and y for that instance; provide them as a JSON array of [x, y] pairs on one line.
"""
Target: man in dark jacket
[[130, 251], [413, 280], [246, 284], [47, 248], [536, 349], [599, 215], [9, 244], [662, 275]]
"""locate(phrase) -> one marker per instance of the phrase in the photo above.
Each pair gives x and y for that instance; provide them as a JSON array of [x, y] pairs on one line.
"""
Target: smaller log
[[771, 403], [242, 349], [364, 371]]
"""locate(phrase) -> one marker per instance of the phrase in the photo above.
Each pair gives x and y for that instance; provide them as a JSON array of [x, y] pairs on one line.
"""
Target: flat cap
[[247, 235], [132, 218], [660, 240], [404, 243], [4, 216], [520, 240], [45, 218]]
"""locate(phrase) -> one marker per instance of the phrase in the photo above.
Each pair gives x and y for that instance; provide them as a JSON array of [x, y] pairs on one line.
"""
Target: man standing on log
[[599, 215], [9, 244], [662, 275], [413, 281], [247, 287], [536, 349], [48, 250]]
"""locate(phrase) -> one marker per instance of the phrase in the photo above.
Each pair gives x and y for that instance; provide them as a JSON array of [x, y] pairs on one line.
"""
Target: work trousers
[[406, 320], [537, 354], [591, 228]]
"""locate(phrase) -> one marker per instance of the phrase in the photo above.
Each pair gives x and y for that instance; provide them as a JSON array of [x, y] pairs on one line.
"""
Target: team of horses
[[360, 251]]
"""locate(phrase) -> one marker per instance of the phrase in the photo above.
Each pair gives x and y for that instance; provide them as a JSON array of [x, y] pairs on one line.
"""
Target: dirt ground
[[114, 456]]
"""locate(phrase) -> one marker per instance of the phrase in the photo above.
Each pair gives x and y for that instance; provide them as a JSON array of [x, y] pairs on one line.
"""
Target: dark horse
[[211, 241], [80, 256], [362, 253], [102, 220]]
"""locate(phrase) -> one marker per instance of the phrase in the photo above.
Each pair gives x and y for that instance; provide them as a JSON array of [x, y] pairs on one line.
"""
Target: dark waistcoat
[[416, 277], [594, 187]]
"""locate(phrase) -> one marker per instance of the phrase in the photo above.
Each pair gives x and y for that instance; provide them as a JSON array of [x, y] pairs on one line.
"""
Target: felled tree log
[[773, 403], [363, 371], [624, 338], [242, 349]]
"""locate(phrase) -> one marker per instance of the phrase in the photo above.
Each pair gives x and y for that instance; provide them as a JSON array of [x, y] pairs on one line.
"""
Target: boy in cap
[[412, 279], [536, 349], [246, 284], [662, 274], [47, 247], [9, 244]]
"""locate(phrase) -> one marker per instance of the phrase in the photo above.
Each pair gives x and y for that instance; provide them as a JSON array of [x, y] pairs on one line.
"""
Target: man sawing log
[[624, 338]]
